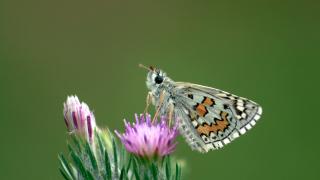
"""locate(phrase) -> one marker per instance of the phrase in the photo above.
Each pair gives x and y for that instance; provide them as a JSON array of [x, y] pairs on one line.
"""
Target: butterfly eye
[[158, 79]]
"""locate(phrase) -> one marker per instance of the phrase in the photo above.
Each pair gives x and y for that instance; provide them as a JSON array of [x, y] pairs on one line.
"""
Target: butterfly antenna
[[147, 68]]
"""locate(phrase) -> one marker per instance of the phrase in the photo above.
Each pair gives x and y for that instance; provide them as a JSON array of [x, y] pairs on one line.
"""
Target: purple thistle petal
[[142, 120], [145, 139], [74, 119], [135, 129], [65, 120], [137, 118], [82, 119], [148, 139], [89, 126]]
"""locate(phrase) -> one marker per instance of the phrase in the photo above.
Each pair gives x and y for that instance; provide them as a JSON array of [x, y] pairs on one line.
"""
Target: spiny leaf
[[123, 157], [115, 157], [168, 167], [66, 167], [69, 147], [129, 163], [135, 169], [76, 141], [92, 157], [122, 174], [154, 171], [89, 176], [177, 172], [63, 173], [107, 165], [145, 176], [106, 138], [101, 147], [79, 164]]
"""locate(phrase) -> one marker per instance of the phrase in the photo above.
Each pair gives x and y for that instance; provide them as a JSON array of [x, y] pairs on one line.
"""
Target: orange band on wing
[[220, 125], [201, 110], [208, 101]]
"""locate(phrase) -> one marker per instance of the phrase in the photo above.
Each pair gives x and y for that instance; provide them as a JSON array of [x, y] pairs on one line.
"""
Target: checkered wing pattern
[[211, 118]]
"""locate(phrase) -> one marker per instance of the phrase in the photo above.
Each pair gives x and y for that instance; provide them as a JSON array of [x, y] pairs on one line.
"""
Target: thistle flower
[[78, 118], [101, 157], [149, 139]]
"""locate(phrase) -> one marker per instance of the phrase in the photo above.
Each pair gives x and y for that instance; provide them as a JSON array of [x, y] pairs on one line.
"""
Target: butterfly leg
[[161, 98], [148, 102], [170, 114]]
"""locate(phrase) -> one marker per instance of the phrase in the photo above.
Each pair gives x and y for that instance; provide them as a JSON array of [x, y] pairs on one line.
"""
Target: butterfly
[[208, 118]]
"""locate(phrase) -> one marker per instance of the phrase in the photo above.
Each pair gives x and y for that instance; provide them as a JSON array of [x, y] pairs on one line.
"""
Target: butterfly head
[[155, 78]]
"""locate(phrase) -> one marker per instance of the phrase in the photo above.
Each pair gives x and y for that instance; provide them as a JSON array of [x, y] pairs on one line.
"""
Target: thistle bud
[[78, 118]]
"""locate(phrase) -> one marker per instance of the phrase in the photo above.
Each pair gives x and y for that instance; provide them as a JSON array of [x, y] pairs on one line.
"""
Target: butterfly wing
[[211, 118]]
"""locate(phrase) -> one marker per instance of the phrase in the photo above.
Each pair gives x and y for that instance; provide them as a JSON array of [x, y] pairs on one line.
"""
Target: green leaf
[[92, 157], [135, 169], [154, 171], [123, 157], [63, 173], [168, 167], [66, 167], [129, 163], [115, 157], [78, 163], [177, 172], [89, 176], [75, 140], [101, 147], [107, 165], [145, 177], [122, 174]]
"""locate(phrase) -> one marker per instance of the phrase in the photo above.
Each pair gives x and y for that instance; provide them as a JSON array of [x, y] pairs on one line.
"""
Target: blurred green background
[[267, 51]]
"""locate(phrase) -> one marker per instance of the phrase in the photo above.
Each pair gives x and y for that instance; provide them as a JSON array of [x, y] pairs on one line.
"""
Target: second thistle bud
[[78, 118]]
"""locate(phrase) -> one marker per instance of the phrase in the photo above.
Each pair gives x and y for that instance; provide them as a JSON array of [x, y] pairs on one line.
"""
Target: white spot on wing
[[194, 123], [243, 115], [212, 136], [209, 146], [257, 117], [239, 103], [185, 111], [253, 122], [240, 108], [235, 135], [248, 126], [218, 144], [242, 131], [222, 95], [260, 110], [226, 141]]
